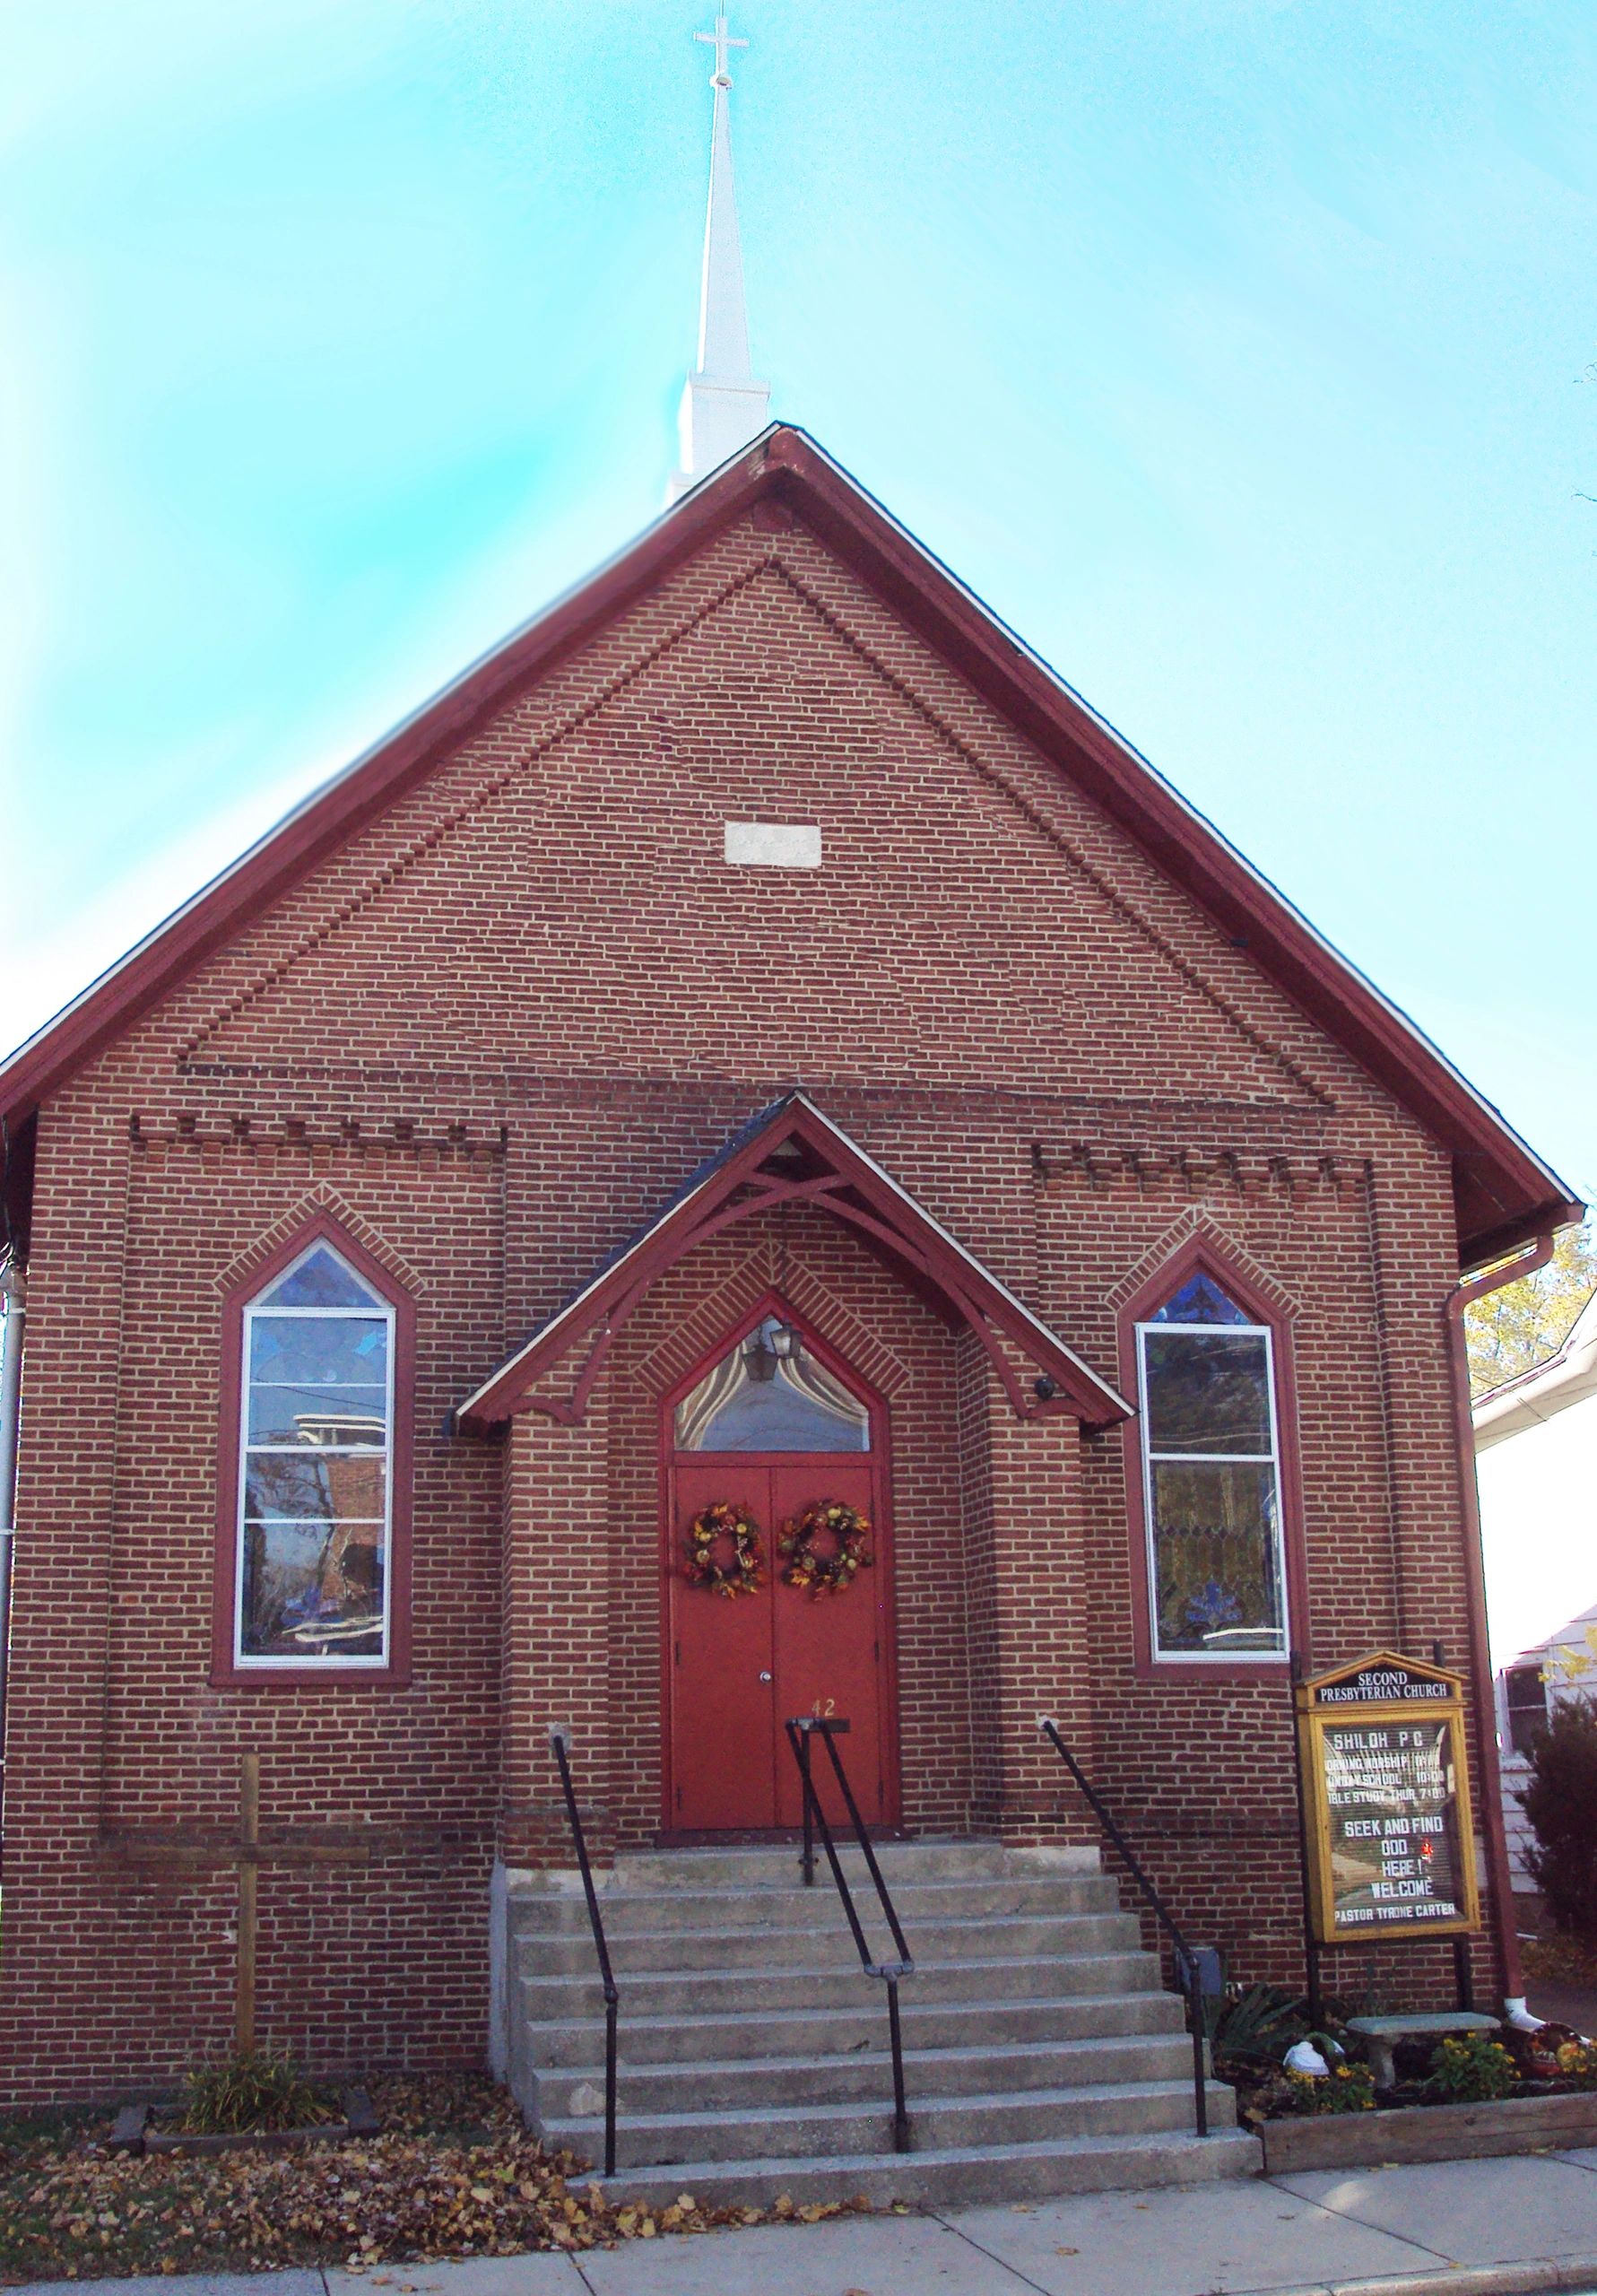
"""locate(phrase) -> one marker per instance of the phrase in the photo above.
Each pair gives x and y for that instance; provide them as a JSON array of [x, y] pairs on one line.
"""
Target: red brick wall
[[493, 1035]]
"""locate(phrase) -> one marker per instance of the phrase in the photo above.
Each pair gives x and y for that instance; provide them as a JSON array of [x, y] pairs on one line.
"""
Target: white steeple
[[723, 406]]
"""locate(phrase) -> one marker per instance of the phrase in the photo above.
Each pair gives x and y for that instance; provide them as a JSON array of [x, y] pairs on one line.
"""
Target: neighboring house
[[1536, 1462]]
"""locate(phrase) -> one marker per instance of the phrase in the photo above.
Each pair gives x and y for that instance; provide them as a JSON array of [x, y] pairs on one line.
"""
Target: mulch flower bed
[[1266, 2093], [455, 2173]]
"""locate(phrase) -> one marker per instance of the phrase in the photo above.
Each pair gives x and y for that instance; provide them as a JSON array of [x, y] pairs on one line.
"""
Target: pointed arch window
[[1207, 1389], [771, 1393], [312, 1575]]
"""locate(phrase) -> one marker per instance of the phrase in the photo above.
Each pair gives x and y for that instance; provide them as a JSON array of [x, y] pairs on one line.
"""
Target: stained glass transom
[[1199, 1300]]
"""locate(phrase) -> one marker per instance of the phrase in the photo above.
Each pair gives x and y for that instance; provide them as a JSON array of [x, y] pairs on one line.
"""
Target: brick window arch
[[312, 1546], [1212, 1481]]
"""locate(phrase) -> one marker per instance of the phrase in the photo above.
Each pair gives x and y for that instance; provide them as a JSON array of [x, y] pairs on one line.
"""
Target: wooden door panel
[[827, 1648], [723, 1730]]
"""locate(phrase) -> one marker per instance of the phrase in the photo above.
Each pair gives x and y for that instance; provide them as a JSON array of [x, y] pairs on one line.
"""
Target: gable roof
[[1504, 1194], [792, 1153]]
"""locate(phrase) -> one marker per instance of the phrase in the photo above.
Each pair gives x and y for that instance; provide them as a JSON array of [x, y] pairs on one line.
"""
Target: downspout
[[1492, 1279], [14, 1293]]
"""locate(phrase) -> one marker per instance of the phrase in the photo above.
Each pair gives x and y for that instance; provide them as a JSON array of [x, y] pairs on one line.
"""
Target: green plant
[[256, 2090], [1471, 2068], [1256, 2026], [1347, 2088], [1560, 1960], [1561, 1804], [1577, 2062]]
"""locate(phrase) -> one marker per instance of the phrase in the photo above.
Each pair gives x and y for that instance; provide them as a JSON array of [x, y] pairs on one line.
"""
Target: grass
[[257, 2091]]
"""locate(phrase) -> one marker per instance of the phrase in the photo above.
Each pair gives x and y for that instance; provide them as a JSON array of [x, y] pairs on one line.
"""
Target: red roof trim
[[886, 1215], [1504, 1194]]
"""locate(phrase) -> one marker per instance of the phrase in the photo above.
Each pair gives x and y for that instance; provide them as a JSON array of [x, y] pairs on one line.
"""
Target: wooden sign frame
[[1388, 1691]]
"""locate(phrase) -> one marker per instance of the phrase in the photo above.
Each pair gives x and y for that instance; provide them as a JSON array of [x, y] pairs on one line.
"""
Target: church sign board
[[1386, 1801]]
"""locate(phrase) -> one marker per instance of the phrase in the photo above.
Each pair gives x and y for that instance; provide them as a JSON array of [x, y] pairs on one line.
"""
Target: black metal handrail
[[801, 1729], [1186, 1960], [559, 1741]]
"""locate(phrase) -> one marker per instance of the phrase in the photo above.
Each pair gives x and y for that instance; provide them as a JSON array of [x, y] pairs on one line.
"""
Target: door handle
[[765, 1677]]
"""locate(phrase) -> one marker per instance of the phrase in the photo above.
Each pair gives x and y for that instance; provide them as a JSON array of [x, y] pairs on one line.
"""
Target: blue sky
[[1236, 351]]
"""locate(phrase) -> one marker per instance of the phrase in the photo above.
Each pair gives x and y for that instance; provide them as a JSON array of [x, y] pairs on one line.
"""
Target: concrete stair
[[1041, 2054]]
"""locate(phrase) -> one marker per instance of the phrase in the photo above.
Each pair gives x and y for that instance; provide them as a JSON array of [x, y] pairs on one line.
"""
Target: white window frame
[[259, 1662], [1159, 1655]]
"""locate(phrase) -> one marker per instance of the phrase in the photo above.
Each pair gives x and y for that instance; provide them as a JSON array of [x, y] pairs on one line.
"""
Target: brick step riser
[[1128, 2111], [830, 2031], [864, 2078], [747, 1992], [535, 1912], [828, 1946], [927, 2180]]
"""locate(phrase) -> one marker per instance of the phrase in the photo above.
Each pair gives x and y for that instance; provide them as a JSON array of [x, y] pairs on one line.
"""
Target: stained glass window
[[1199, 1300], [314, 1500], [769, 1392], [1211, 1482]]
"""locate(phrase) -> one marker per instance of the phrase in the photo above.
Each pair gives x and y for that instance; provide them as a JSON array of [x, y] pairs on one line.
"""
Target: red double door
[[738, 1667]]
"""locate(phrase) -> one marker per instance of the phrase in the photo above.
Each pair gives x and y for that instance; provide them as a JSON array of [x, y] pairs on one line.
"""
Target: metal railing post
[[800, 1746], [1185, 1960], [895, 2035], [558, 1740], [1195, 2013], [800, 1729]]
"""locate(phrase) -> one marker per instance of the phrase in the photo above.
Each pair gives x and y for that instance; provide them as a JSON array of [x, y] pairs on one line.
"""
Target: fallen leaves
[[455, 2173]]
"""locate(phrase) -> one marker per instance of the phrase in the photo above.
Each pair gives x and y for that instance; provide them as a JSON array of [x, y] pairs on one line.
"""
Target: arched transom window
[[771, 1393], [1212, 1478], [315, 1497]]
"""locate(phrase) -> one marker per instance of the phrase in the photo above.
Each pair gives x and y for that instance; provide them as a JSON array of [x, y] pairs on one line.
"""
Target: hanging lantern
[[770, 1342]]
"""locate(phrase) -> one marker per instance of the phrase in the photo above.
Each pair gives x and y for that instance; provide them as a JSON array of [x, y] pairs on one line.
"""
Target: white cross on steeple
[[720, 39], [723, 406]]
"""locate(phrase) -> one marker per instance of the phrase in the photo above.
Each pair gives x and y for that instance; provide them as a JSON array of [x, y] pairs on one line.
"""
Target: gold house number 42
[[823, 1707]]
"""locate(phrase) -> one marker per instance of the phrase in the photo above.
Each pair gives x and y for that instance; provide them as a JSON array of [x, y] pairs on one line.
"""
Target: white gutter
[[1571, 1378]]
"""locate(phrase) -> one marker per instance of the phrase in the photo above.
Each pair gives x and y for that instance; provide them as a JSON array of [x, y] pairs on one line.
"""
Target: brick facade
[[489, 1035]]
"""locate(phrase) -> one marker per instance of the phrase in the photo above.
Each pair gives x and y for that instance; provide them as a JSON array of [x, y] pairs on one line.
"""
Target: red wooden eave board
[[1504, 1193]]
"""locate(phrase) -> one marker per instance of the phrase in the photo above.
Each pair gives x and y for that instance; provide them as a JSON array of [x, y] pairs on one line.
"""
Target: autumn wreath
[[806, 1566], [746, 1570]]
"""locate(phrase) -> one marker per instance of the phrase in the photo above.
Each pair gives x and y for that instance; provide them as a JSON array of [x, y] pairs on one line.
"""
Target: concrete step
[[834, 2031], [752, 1992], [771, 1867], [829, 1945], [1042, 2054], [951, 2176], [536, 1911], [774, 2084], [809, 2131]]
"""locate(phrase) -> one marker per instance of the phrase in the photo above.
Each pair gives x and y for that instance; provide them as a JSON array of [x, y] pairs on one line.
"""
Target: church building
[[752, 1161]]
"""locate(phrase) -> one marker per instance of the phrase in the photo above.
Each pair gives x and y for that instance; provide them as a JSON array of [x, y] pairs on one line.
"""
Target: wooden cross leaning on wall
[[247, 1853]]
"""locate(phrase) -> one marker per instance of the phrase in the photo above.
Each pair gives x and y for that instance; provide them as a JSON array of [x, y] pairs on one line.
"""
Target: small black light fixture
[[1044, 1388], [770, 1342]]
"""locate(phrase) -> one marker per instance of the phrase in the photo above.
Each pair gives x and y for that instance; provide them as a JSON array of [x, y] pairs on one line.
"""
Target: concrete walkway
[[1470, 2227]]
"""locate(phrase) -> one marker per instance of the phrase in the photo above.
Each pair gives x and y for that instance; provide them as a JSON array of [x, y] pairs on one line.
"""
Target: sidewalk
[[1471, 2228]]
